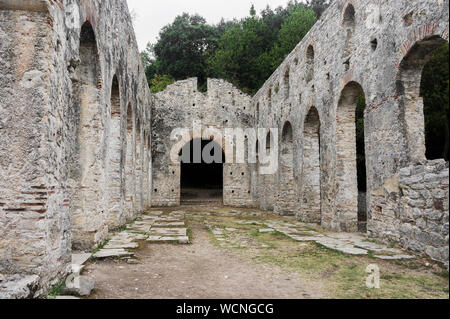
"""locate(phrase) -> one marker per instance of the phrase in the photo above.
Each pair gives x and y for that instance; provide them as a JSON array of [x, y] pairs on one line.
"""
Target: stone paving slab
[[169, 239], [348, 243], [121, 245], [80, 258], [168, 232], [155, 213], [109, 253], [168, 224]]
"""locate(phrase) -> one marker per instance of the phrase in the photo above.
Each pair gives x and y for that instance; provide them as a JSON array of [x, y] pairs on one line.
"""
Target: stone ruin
[[85, 146]]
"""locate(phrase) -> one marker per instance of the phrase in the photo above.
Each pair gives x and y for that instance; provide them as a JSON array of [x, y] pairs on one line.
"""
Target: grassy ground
[[340, 275]]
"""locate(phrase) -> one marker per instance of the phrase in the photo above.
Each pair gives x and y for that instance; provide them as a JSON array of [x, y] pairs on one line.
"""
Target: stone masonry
[[70, 70], [85, 147], [375, 48]]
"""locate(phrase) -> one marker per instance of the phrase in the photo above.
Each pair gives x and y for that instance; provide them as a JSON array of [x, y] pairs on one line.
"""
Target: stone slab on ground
[[120, 244], [348, 243], [169, 239], [168, 224], [80, 258], [112, 253], [168, 232], [65, 298], [154, 213]]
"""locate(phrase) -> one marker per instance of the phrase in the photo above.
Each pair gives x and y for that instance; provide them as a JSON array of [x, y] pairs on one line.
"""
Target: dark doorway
[[202, 177]]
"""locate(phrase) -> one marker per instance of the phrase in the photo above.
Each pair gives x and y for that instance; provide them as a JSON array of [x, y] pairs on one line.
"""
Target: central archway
[[201, 172]]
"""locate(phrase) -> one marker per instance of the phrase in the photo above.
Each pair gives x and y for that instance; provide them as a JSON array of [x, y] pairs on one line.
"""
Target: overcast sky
[[152, 15]]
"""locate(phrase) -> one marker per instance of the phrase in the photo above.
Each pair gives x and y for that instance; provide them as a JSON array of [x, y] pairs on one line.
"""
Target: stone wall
[[69, 70], [375, 48], [414, 210], [358, 47], [180, 106]]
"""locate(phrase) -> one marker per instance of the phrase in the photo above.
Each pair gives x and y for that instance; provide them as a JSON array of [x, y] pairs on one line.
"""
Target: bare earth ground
[[267, 266]]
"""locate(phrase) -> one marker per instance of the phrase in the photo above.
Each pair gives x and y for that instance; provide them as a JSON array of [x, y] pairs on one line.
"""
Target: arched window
[[286, 83], [349, 28], [287, 133], [409, 89], [309, 64], [349, 16]]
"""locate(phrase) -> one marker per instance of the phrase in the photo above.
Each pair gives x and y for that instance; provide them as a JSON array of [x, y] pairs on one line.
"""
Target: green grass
[[57, 289], [338, 274], [100, 246]]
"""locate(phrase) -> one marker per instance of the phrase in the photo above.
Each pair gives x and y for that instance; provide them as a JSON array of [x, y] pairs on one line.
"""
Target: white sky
[[152, 15]]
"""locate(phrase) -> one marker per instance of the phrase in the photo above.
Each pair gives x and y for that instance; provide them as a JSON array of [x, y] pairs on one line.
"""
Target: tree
[[293, 30], [252, 11], [236, 59], [182, 46]]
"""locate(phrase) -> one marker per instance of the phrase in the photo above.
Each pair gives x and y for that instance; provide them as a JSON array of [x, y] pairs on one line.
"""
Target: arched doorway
[[201, 172], [350, 159]]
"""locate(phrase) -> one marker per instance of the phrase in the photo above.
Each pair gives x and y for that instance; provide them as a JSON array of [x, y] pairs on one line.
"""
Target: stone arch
[[129, 167], [348, 23], [311, 175], [408, 89], [286, 203], [348, 20], [309, 63], [347, 190], [86, 168], [286, 83], [116, 191]]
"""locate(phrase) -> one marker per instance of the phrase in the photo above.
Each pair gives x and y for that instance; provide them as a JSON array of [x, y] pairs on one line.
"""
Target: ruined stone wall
[[179, 106], [58, 123], [375, 48], [415, 209]]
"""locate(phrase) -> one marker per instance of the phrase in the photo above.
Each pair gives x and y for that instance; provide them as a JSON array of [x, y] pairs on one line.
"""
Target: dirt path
[[200, 270]]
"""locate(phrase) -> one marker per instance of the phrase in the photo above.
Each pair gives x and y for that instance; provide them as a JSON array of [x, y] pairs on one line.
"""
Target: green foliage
[[434, 90], [250, 52], [159, 83], [182, 48], [244, 52], [293, 30]]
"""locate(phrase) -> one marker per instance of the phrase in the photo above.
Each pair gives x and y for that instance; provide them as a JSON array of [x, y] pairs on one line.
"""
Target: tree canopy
[[244, 52]]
